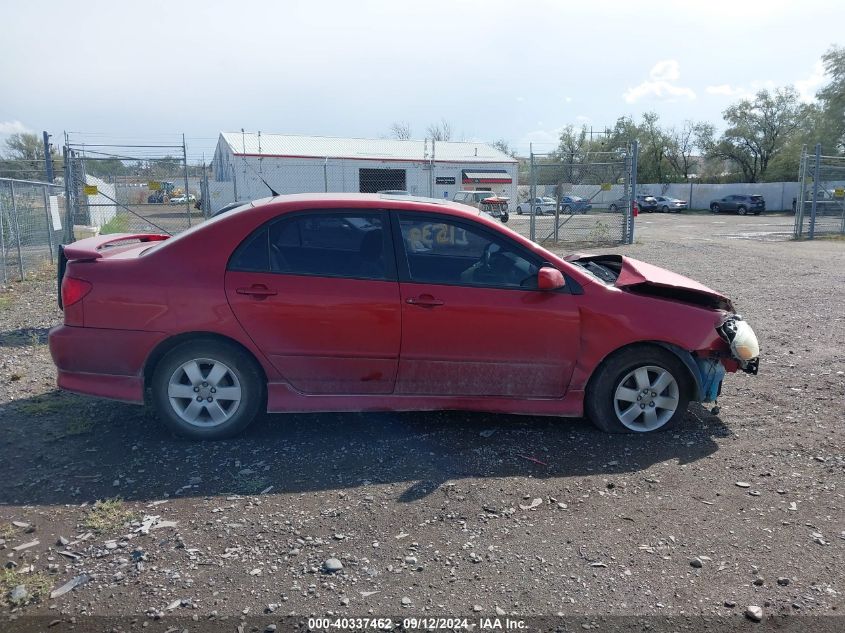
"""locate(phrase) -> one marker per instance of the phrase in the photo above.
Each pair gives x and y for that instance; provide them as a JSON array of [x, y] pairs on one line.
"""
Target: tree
[[24, 158], [683, 143], [504, 147], [400, 130], [758, 130], [441, 131], [832, 99]]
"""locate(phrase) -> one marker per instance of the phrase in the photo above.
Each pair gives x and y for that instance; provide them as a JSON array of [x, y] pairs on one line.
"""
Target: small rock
[[406, 602], [256, 572], [696, 562], [562, 506], [476, 607], [783, 581], [743, 484], [411, 560], [71, 584], [758, 582], [18, 595], [754, 613], [270, 628], [536, 502], [500, 611], [344, 602], [62, 541], [20, 524], [332, 565], [487, 432], [730, 604]]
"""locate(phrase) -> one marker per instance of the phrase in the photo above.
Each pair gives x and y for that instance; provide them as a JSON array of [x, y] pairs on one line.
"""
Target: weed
[[36, 584], [43, 405], [118, 224], [79, 426], [107, 516]]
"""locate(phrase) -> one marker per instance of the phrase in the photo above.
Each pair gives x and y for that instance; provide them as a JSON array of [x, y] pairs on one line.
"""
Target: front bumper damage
[[745, 347]]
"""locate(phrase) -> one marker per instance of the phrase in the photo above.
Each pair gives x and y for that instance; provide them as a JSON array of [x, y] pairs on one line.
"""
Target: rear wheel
[[741, 210], [714, 208], [519, 210], [665, 209], [566, 209], [613, 208], [505, 217], [207, 389], [638, 390]]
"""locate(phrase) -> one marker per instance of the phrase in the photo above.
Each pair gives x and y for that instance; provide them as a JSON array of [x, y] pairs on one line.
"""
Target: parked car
[[667, 205], [301, 305], [486, 201], [574, 204], [827, 203], [647, 204], [183, 199], [538, 206], [742, 204]]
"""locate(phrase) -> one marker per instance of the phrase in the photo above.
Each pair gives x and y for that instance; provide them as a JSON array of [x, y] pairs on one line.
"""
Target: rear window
[[756, 198]]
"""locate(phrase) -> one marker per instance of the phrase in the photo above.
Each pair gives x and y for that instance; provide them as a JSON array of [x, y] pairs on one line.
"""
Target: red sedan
[[352, 302]]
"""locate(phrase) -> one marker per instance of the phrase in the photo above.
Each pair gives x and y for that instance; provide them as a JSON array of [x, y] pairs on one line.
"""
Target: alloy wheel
[[646, 398], [204, 392]]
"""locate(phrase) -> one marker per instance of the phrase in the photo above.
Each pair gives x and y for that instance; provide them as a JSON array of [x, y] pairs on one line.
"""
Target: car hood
[[646, 279]]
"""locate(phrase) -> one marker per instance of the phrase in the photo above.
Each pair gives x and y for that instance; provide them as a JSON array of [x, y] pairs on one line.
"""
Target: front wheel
[[566, 209], [639, 390], [665, 209], [741, 210], [714, 208], [207, 390], [505, 217], [613, 208], [519, 210]]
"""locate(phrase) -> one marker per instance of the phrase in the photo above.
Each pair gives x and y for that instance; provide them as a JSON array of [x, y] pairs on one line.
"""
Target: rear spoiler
[[89, 250]]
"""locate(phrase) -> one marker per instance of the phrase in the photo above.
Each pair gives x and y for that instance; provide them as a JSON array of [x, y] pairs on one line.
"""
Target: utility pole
[[48, 159]]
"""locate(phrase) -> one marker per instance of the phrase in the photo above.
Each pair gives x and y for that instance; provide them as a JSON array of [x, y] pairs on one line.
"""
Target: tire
[[181, 371], [538, 211], [613, 208], [519, 210], [505, 217], [714, 208], [665, 209], [566, 209], [610, 398], [741, 210]]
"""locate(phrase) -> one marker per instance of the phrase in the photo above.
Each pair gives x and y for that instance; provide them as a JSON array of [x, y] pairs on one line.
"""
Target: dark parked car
[[648, 204], [742, 204], [357, 302]]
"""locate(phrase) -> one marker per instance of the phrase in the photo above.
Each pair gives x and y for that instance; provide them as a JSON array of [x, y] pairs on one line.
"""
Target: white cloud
[[661, 84], [724, 89], [807, 87], [12, 127]]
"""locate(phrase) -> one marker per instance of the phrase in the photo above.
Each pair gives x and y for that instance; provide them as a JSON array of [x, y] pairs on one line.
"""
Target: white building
[[247, 166]]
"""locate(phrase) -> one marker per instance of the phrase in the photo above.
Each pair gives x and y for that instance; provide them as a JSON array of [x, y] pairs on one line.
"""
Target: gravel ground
[[454, 513]]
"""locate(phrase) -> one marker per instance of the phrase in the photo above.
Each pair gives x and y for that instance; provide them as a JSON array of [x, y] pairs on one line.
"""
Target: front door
[[317, 293], [473, 322]]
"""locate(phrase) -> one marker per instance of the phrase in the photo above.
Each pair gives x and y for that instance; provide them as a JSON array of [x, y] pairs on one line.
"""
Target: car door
[[317, 293], [729, 203], [473, 322]]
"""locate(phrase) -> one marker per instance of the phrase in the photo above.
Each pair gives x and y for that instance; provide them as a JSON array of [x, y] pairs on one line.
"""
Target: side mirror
[[550, 279]]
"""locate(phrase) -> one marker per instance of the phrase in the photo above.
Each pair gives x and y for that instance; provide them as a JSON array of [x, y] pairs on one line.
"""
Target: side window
[[337, 244], [443, 251], [253, 254]]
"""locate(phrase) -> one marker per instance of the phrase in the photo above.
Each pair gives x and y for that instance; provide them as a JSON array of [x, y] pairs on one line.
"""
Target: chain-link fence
[[31, 217], [820, 204], [128, 189], [581, 197]]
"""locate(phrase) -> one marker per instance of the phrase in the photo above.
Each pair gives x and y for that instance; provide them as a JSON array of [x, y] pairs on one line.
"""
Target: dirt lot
[[454, 513]]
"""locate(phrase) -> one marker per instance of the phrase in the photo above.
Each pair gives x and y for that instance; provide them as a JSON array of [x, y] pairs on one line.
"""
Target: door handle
[[258, 291], [424, 301]]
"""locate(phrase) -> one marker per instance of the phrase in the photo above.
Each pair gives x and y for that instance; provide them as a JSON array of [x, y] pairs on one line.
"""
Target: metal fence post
[[798, 223], [68, 232], [814, 205], [532, 192], [632, 201], [187, 195], [17, 229], [49, 223], [3, 240]]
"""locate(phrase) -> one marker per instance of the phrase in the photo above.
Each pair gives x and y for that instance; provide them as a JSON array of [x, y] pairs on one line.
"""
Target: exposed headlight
[[744, 344]]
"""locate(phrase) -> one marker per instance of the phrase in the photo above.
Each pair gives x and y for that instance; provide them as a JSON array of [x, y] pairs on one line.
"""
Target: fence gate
[[31, 216], [120, 189], [820, 205], [579, 198]]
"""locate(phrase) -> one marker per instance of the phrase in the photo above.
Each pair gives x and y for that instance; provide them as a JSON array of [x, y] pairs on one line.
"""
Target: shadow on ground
[[59, 448]]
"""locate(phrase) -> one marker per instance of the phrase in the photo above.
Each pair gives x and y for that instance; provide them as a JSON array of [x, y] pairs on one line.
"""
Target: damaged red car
[[352, 302]]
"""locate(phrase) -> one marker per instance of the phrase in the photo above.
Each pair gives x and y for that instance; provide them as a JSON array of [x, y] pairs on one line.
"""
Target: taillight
[[74, 290]]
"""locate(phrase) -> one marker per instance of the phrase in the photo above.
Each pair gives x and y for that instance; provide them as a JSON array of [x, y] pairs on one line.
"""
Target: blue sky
[[516, 70]]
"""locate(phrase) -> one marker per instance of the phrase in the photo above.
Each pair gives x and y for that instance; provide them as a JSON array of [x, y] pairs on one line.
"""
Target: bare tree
[[441, 131], [682, 145], [401, 130], [504, 147]]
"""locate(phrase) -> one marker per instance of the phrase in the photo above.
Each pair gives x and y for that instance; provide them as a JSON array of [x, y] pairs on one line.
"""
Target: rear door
[[473, 322], [317, 293]]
